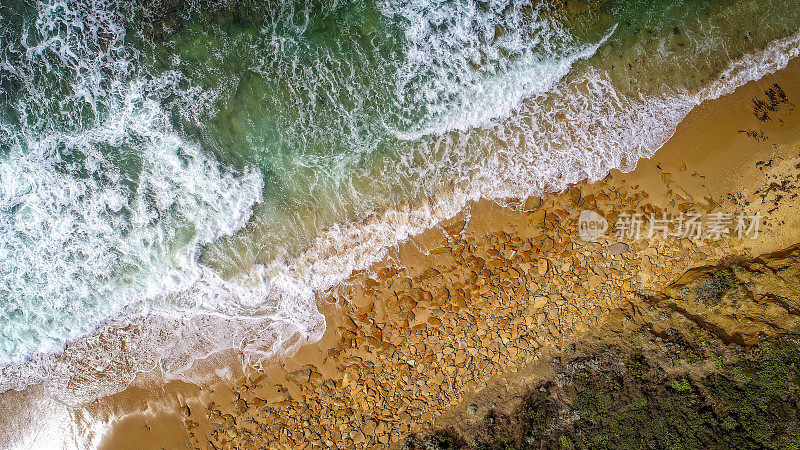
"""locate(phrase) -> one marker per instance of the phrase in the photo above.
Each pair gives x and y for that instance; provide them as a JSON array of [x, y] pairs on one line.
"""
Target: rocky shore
[[424, 341], [712, 360]]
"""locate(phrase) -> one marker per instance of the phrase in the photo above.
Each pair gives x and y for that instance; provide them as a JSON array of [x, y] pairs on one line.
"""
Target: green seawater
[[314, 94]]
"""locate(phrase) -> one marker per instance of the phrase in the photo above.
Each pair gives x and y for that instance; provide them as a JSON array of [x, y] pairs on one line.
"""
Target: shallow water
[[182, 179]]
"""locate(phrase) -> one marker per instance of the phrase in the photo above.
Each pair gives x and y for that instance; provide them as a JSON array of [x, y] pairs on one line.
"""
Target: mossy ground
[[625, 399]]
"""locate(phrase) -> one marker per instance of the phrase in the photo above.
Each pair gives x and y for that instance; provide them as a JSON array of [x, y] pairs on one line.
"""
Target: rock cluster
[[414, 340]]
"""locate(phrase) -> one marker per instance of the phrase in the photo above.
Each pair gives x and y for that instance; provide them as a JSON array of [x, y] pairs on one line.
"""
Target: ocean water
[[179, 179]]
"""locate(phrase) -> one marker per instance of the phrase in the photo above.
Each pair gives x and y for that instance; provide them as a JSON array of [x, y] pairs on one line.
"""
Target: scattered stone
[[419, 339], [538, 217], [542, 266], [617, 249]]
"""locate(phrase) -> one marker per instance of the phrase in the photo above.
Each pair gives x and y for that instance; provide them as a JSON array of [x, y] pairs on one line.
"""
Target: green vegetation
[[630, 402], [681, 385], [637, 365], [713, 287]]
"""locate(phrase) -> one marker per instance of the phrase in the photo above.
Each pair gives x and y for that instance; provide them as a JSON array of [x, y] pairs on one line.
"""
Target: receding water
[[181, 178]]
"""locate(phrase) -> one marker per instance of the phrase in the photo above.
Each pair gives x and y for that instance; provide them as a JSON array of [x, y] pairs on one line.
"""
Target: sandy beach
[[478, 305]]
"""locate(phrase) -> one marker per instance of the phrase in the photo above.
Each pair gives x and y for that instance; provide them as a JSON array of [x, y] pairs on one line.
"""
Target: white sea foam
[[78, 251], [481, 103], [466, 73], [92, 239]]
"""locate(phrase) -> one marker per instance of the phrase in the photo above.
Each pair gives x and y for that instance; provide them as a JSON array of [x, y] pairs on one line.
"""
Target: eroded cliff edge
[[710, 361]]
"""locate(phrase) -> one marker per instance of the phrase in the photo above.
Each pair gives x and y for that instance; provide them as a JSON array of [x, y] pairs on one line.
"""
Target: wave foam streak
[[104, 209]]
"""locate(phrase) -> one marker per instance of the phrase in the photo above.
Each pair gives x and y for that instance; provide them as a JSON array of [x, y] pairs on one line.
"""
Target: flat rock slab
[[616, 249]]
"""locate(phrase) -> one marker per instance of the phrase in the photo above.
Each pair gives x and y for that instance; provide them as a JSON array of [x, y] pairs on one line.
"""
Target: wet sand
[[484, 298]]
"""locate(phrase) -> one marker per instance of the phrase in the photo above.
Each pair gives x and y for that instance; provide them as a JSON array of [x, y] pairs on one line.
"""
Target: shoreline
[[705, 180], [708, 126]]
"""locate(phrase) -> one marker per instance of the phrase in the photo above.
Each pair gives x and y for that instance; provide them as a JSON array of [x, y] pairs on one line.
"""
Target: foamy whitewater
[[177, 182]]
